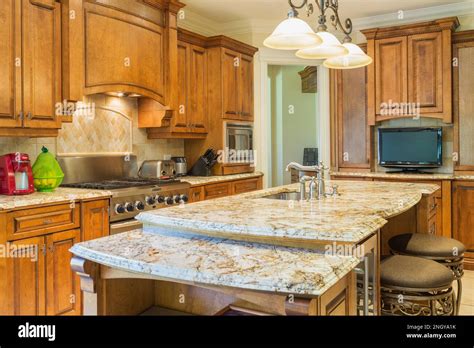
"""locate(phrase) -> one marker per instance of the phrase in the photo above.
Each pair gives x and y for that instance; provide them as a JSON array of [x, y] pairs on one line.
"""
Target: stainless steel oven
[[239, 141]]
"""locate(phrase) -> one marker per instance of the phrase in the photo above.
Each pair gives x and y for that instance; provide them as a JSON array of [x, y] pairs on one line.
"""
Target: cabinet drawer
[[246, 186], [217, 190], [33, 222], [195, 194]]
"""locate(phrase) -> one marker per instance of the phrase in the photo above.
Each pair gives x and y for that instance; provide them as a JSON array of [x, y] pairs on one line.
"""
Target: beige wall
[[111, 130]]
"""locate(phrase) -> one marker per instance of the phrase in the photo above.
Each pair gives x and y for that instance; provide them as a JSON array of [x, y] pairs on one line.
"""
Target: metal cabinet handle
[[20, 116], [30, 115]]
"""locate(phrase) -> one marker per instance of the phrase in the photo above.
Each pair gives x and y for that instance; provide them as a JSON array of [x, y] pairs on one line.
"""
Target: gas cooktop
[[122, 183]]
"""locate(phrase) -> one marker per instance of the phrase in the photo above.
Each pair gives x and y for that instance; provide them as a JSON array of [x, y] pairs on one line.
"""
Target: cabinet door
[[246, 87], [464, 106], [197, 100], [26, 276], [63, 293], [41, 50], [9, 109], [123, 53], [95, 219], [425, 72], [390, 74], [180, 117], [463, 216], [231, 63], [354, 134]]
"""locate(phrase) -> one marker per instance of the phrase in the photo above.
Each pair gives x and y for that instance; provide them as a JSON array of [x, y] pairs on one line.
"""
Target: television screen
[[410, 147]]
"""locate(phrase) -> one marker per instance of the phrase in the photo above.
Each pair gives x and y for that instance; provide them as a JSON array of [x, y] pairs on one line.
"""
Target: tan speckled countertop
[[402, 176], [360, 210], [204, 180], [60, 195], [218, 262]]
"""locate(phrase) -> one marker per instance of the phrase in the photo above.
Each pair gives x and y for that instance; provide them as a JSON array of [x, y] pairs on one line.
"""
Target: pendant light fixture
[[292, 35]]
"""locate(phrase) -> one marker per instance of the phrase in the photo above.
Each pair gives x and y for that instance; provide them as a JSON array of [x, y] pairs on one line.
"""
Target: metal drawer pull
[[47, 222]]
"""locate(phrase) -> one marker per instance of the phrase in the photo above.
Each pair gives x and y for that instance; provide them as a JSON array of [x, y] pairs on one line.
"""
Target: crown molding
[[410, 16], [203, 25]]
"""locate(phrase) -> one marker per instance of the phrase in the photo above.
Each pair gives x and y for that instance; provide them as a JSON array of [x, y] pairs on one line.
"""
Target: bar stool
[[414, 286], [446, 251]]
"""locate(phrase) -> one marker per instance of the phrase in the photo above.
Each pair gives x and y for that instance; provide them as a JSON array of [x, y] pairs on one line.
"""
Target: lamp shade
[[331, 47], [292, 34], [355, 59]]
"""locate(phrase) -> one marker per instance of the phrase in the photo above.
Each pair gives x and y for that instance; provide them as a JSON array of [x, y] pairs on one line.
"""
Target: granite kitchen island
[[252, 254]]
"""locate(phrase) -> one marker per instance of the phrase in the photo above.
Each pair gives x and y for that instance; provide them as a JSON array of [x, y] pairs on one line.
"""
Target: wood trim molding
[[192, 38], [450, 23], [227, 42], [463, 36]]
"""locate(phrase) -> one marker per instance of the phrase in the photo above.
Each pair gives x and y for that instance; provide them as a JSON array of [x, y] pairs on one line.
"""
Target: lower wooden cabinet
[[463, 218], [38, 277], [63, 292], [223, 189], [26, 277]]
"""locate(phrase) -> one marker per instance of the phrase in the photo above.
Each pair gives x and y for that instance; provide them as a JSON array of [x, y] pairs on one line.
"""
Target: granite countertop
[[360, 210], [382, 175], [219, 262], [204, 180], [58, 196]]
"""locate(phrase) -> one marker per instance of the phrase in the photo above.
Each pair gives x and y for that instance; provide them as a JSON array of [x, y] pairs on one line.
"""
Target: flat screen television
[[411, 148]]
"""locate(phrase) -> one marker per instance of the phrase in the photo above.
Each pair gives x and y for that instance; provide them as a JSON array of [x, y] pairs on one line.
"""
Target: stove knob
[[184, 198], [169, 200], [139, 205], [150, 200], [119, 208], [160, 199], [177, 199], [129, 207]]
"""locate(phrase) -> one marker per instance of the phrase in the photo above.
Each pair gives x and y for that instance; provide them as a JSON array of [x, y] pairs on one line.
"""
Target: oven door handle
[[125, 226]]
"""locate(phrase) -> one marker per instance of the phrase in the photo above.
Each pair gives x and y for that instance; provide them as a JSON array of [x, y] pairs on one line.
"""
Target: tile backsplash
[[448, 140], [111, 129]]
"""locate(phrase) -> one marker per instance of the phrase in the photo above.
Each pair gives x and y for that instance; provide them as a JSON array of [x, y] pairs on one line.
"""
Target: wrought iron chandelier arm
[[336, 21], [305, 2]]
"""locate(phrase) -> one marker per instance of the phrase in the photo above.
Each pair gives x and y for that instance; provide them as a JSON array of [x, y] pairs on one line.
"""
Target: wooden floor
[[467, 302]]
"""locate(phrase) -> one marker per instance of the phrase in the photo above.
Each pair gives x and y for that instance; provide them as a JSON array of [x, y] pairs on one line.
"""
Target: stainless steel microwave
[[239, 142]]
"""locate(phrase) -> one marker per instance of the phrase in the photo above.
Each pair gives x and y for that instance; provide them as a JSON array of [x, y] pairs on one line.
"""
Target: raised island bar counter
[[252, 253]]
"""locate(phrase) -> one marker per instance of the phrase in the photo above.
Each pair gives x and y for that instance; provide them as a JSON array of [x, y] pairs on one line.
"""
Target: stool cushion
[[426, 245], [414, 272]]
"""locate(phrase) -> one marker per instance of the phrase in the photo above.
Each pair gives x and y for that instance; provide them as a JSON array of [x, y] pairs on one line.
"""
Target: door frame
[[262, 131]]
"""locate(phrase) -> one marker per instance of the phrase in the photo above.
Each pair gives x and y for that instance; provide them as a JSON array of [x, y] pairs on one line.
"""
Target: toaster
[[157, 169]]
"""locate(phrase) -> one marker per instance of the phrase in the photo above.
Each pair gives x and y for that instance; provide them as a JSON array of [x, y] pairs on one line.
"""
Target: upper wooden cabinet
[[236, 85], [351, 136], [189, 119], [412, 69], [463, 52], [30, 65], [215, 82]]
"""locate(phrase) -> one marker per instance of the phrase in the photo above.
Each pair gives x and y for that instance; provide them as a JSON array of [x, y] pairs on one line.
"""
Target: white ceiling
[[224, 11]]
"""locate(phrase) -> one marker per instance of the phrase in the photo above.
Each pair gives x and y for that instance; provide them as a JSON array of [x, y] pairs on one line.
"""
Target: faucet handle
[[335, 190]]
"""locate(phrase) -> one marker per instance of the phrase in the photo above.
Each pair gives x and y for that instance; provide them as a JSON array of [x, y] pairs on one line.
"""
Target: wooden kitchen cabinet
[[95, 219], [63, 293], [463, 89], [30, 52], [224, 188], [26, 278], [190, 119], [237, 85], [191, 116], [38, 278], [463, 218], [351, 135], [412, 64]]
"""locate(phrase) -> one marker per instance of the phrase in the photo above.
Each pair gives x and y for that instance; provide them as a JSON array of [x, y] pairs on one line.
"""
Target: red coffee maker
[[16, 176]]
